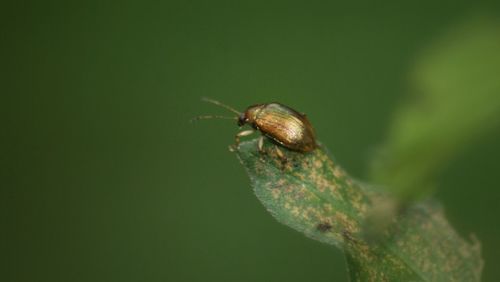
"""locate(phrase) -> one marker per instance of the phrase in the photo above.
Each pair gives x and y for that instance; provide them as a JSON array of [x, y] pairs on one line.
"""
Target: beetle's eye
[[241, 120]]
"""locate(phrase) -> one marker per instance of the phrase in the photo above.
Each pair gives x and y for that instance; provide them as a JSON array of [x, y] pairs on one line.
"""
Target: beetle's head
[[242, 119]]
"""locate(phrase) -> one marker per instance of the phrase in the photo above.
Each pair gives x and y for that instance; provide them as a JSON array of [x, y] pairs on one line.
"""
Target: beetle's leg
[[242, 134], [237, 138], [280, 154], [260, 144]]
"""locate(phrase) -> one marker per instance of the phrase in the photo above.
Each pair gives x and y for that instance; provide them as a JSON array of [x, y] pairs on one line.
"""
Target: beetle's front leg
[[237, 138]]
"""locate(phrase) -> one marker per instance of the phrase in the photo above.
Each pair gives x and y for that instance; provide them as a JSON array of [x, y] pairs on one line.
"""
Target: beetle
[[276, 121]]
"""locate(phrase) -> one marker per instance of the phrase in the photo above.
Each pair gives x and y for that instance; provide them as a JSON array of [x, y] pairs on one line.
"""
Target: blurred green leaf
[[456, 101], [314, 195]]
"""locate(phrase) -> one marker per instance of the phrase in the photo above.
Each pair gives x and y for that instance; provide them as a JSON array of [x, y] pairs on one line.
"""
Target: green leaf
[[456, 100], [314, 195]]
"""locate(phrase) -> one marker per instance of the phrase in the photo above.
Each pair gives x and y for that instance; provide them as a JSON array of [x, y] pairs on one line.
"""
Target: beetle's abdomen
[[286, 126]]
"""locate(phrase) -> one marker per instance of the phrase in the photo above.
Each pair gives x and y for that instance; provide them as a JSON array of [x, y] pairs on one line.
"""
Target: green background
[[104, 179]]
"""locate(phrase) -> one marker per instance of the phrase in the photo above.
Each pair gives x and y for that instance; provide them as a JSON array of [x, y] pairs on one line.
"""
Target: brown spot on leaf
[[324, 227]]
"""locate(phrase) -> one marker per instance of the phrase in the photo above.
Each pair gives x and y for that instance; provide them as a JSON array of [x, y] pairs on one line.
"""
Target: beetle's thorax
[[250, 115]]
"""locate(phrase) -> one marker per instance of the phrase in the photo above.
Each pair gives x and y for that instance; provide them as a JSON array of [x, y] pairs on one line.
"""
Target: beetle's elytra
[[280, 123]]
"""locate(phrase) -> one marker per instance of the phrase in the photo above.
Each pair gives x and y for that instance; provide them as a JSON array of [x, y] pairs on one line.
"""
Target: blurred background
[[103, 178]]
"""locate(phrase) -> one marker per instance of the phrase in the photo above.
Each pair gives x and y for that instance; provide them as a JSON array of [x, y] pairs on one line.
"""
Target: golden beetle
[[280, 123]]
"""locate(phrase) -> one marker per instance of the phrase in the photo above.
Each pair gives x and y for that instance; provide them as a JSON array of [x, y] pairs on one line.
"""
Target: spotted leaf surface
[[315, 196]]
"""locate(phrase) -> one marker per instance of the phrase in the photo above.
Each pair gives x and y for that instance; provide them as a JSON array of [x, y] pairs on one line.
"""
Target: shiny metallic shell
[[284, 125]]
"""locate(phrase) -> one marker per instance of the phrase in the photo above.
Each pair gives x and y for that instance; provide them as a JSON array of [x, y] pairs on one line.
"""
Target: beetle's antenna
[[215, 102], [211, 117]]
